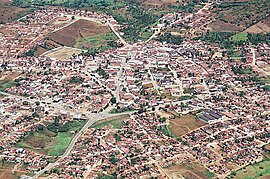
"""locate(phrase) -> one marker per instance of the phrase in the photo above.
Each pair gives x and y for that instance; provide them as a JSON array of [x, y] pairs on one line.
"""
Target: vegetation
[[7, 85], [231, 39], [182, 98], [256, 170], [166, 131], [116, 110], [169, 38], [53, 139], [115, 123]]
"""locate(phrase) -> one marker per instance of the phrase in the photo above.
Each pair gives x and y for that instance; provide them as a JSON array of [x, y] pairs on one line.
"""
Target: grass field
[[97, 41], [184, 124], [48, 142], [114, 122], [188, 170], [239, 37], [257, 170]]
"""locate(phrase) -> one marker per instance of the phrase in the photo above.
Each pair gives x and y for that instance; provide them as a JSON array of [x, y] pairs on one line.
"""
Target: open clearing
[[114, 122], [50, 143], [9, 12], [184, 124], [77, 30], [6, 171], [261, 27], [188, 170], [62, 53], [257, 170], [220, 26], [7, 79]]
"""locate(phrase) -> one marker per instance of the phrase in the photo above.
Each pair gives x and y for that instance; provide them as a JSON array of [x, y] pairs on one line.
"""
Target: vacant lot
[[257, 170], [6, 171], [220, 26], [261, 27], [184, 124], [188, 170], [50, 143], [114, 122], [7, 79], [77, 30], [9, 12], [155, 3], [63, 53]]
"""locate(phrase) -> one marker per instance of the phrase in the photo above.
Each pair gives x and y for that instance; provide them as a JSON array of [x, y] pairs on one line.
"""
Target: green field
[[96, 42], [114, 123], [239, 37], [257, 170], [6, 85], [49, 142]]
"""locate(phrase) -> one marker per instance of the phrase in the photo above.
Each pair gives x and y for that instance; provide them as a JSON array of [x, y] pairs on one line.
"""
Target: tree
[[113, 100]]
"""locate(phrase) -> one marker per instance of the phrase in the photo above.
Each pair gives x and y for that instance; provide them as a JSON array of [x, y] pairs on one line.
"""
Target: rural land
[[110, 89]]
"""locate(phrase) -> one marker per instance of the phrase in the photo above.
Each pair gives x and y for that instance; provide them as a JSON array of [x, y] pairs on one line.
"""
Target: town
[[150, 85]]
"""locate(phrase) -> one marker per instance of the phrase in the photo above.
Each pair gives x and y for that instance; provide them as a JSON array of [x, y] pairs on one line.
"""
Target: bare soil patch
[[261, 27], [8, 76], [9, 12], [220, 26], [63, 53], [6, 171], [184, 124], [187, 170]]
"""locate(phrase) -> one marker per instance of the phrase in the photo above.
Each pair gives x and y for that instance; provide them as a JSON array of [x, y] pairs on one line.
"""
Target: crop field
[[77, 30], [184, 124], [188, 170], [48, 142]]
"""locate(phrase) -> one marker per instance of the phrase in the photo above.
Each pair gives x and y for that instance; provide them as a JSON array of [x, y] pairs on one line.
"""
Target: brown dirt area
[[79, 29], [9, 12], [261, 27], [63, 53], [219, 26], [184, 124], [8, 76], [187, 170], [6, 171], [39, 141], [48, 45], [163, 2]]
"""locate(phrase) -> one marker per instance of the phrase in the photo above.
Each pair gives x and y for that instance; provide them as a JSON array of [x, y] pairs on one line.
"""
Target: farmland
[[69, 35]]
